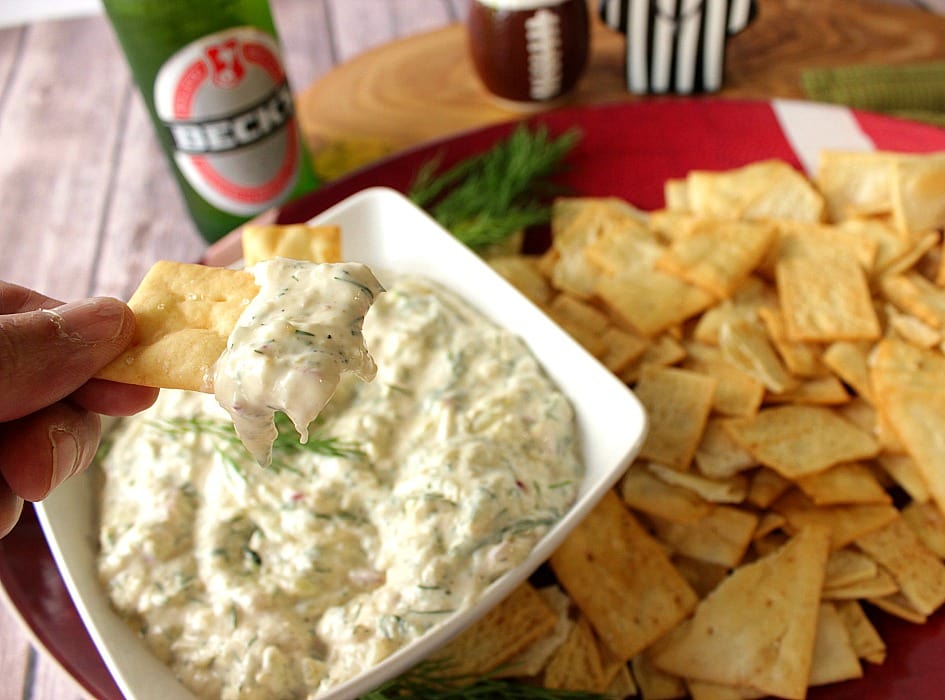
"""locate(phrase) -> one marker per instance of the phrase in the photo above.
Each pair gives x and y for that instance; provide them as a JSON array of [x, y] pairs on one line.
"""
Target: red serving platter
[[626, 150]]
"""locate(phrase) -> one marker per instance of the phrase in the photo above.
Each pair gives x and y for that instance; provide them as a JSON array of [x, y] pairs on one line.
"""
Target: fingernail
[[91, 320], [65, 454]]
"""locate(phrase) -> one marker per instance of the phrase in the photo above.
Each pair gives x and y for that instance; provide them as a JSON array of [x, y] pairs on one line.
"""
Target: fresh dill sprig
[[287, 441], [223, 434], [431, 681], [234, 453], [486, 198]]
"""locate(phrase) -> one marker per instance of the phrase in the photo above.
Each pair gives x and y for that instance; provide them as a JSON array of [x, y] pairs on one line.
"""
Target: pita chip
[[758, 627]]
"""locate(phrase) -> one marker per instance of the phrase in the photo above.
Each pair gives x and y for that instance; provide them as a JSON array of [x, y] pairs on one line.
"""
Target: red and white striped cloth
[[630, 149]]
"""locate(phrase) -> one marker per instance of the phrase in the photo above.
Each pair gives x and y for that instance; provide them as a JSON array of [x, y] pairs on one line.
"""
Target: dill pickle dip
[[414, 493], [291, 345]]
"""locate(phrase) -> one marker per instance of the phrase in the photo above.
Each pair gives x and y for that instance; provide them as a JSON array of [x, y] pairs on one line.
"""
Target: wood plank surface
[[793, 35], [146, 219], [10, 48], [398, 81], [412, 16], [16, 655], [49, 680], [307, 40], [57, 188]]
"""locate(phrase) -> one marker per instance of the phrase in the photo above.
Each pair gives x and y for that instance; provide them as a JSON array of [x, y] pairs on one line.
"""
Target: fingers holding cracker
[[185, 312]]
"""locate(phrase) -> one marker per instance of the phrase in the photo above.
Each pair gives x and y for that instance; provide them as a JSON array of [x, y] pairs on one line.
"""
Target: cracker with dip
[[185, 312]]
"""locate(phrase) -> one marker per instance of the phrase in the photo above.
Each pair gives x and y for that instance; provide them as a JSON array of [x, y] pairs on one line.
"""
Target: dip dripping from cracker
[[276, 336]]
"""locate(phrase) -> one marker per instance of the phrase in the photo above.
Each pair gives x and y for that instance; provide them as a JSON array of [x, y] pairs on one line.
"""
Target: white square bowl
[[386, 231]]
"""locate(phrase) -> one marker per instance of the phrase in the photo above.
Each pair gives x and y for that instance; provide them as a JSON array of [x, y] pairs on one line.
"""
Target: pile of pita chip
[[786, 336]]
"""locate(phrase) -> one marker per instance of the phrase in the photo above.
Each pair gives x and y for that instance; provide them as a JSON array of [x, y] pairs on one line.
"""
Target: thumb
[[47, 354]]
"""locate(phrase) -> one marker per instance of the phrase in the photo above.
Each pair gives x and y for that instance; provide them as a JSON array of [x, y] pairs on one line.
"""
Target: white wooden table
[[87, 203]]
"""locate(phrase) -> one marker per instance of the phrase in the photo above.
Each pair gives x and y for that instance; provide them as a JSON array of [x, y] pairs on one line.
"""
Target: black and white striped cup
[[676, 46]]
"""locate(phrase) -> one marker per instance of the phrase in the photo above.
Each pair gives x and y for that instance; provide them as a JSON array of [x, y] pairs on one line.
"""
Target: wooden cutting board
[[423, 87]]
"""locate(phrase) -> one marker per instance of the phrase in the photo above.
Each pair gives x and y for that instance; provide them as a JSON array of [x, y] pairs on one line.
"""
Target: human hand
[[49, 402]]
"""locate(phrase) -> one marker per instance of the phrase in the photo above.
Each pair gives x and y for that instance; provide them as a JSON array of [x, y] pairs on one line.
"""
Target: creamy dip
[[286, 581], [291, 345]]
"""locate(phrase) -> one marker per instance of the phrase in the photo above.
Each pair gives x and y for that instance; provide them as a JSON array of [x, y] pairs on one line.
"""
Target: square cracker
[[850, 482], [651, 300], [500, 635], [767, 189], [721, 537], [796, 440], [184, 314], [916, 295], [846, 522], [907, 382], [855, 184], [294, 241], [917, 569], [678, 402], [747, 346], [577, 664], [928, 522], [918, 192], [576, 224], [718, 255], [719, 456], [642, 490], [824, 307], [849, 566], [622, 579], [736, 393], [531, 660]]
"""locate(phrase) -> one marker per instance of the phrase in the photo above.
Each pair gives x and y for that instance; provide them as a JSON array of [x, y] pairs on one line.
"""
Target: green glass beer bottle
[[211, 74]]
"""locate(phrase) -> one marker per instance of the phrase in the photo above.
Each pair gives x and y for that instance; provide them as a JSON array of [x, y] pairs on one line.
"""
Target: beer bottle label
[[226, 104]]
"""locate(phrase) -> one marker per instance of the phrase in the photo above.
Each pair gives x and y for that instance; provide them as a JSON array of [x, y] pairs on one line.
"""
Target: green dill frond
[[287, 442], [234, 453], [486, 198], [431, 681]]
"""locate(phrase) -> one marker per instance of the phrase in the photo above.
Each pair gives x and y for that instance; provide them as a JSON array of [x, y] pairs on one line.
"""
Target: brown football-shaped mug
[[528, 51]]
